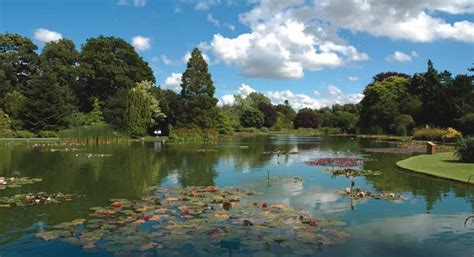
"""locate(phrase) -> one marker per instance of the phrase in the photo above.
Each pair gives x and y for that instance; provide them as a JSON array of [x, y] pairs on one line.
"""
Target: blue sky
[[313, 53]]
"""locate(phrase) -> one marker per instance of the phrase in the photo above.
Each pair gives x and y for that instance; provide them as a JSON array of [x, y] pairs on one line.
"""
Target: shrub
[[194, 135], [467, 124], [251, 117], [451, 135], [47, 134], [465, 149], [24, 134], [432, 134]]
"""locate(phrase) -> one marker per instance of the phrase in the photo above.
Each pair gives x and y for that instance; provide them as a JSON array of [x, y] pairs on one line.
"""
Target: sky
[[313, 53]]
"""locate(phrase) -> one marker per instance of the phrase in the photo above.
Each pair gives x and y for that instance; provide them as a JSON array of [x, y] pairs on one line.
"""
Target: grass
[[444, 165]]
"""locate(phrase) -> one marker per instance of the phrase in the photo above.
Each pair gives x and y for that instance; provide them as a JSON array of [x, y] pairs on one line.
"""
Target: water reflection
[[245, 163]]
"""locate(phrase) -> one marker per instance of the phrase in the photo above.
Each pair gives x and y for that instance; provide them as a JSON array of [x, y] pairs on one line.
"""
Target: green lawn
[[444, 165]]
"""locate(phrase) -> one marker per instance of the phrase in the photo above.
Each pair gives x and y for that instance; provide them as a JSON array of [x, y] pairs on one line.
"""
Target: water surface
[[429, 223]]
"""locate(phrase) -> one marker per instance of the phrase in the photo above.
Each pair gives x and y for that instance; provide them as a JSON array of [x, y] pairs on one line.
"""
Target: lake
[[430, 222]]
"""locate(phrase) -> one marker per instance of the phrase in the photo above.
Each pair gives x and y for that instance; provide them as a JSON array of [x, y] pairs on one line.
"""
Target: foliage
[[251, 117], [108, 64], [142, 109], [13, 104], [346, 121], [95, 116], [467, 124], [5, 125], [18, 62], [381, 103], [197, 94], [47, 134], [269, 114], [24, 134], [451, 135], [306, 118], [170, 105], [224, 123], [403, 124], [96, 133], [45, 107], [194, 135], [114, 109], [59, 59], [465, 149], [432, 134]]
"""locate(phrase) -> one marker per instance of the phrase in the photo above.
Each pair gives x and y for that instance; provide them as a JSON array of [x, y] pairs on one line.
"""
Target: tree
[[269, 114], [44, 107], [5, 125], [381, 104], [18, 62], [13, 104], [95, 116], [286, 115], [170, 105], [142, 109], [306, 118], [108, 64], [59, 59], [384, 75], [197, 94], [346, 121], [251, 118]]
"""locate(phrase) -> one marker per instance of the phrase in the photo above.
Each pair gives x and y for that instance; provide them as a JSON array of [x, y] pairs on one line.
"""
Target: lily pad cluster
[[198, 221], [31, 199], [354, 173], [339, 162], [357, 193], [12, 182]]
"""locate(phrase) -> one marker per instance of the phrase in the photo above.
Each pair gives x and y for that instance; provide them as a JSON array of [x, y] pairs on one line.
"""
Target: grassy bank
[[444, 165]]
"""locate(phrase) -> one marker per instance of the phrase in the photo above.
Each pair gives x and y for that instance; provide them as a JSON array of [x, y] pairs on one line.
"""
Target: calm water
[[429, 223]]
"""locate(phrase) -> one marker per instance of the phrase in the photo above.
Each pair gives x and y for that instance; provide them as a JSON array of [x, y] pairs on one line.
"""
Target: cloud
[[353, 78], [398, 56], [136, 3], [245, 90], [230, 26], [173, 82], [204, 5], [212, 20], [141, 43], [333, 90], [166, 60], [46, 35], [226, 100], [333, 96], [281, 46], [407, 20]]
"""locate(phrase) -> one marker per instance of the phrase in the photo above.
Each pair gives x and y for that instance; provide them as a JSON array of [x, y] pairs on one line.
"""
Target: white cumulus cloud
[[173, 82], [333, 96], [141, 43], [46, 35], [353, 78]]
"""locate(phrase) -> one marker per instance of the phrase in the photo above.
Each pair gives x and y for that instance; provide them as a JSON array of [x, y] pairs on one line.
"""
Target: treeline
[[107, 86]]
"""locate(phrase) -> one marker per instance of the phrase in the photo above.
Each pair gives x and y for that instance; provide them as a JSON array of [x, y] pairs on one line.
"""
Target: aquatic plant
[[357, 193], [11, 182], [339, 162], [354, 173], [200, 220], [31, 199]]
